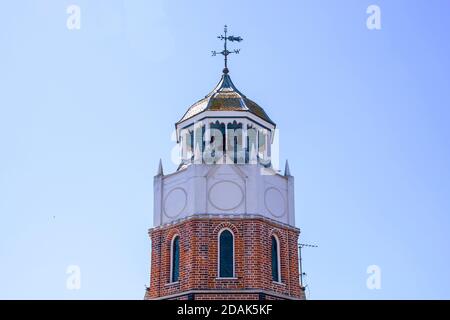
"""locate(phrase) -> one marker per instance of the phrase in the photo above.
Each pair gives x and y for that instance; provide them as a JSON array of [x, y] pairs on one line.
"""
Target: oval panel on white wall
[[226, 195], [175, 202], [274, 202]]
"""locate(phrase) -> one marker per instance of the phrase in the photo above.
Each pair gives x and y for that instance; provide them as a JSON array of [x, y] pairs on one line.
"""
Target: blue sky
[[86, 114]]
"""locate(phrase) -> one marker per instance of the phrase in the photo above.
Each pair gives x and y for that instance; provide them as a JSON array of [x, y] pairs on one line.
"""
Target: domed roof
[[226, 97]]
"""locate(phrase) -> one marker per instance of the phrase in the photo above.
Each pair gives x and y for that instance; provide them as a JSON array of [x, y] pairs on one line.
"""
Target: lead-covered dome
[[226, 97]]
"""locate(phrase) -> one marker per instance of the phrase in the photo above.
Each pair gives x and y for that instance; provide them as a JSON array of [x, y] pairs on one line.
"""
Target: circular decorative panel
[[226, 195], [175, 202], [274, 202]]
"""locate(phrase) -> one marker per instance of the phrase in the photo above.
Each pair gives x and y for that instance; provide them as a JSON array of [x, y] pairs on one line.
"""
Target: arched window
[[226, 254], [275, 259], [175, 259]]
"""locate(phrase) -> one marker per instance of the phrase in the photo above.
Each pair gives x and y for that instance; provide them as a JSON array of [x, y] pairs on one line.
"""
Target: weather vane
[[225, 51]]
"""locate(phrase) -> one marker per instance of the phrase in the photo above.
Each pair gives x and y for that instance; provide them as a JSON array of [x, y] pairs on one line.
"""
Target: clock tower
[[224, 221]]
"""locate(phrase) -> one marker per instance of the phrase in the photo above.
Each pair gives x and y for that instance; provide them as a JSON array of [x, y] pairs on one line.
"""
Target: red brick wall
[[198, 258]]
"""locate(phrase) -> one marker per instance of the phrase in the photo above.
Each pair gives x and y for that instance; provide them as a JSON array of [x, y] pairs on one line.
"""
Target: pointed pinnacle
[[287, 172], [160, 169]]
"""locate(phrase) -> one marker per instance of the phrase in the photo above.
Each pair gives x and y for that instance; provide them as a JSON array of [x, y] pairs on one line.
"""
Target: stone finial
[[160, 169], [287, 171]]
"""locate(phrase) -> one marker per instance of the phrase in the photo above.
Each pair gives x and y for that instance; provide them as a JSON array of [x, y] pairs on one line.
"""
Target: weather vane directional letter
[[225, 51]]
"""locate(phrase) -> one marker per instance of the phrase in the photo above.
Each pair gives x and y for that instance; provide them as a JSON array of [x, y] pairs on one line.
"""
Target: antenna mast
[[300, 246]]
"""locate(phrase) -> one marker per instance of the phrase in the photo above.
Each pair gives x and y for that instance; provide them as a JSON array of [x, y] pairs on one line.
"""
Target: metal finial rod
[[225, 52], [225, 45]]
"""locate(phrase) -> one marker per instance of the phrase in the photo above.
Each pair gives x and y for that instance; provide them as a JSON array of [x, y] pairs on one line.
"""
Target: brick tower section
[[198, 267], [227, 207]]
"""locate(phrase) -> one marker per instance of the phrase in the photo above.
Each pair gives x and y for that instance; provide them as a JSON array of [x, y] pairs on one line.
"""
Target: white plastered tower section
[[225, 165]]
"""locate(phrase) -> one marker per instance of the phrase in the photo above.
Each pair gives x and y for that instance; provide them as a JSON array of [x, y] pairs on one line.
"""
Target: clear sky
[[86, 114]]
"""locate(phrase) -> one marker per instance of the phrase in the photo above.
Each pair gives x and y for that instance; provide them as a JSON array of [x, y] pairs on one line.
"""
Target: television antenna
[[300, 247]]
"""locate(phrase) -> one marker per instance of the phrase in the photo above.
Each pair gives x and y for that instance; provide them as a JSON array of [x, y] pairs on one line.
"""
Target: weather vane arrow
[[225, 52]]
